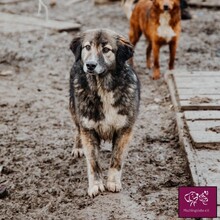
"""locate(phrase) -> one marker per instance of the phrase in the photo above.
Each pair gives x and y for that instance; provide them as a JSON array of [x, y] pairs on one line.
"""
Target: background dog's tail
[[128, 6]]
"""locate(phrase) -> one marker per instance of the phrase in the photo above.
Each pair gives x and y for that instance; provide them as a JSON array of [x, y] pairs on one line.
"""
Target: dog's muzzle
[[166, 8], [91, 66]]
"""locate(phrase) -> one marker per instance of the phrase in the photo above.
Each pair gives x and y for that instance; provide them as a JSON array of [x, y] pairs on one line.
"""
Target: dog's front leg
[[90, 141], [172, 47], [120, 141], [77, 150], [156, 51], [148, 55]]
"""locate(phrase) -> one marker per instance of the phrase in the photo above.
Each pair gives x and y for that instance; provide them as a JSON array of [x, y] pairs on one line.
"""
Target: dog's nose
[[91, 65], [166, 7]]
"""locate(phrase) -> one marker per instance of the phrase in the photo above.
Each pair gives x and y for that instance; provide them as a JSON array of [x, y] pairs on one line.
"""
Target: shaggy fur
[[104, 102], [159, 21]]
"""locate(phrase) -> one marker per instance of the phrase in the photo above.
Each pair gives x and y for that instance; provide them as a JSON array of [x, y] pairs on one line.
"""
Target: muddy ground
[[36, 130]]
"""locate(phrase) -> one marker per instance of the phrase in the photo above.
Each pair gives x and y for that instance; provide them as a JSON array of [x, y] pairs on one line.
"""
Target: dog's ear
[[125, 50], [155, 2], [76, 47]]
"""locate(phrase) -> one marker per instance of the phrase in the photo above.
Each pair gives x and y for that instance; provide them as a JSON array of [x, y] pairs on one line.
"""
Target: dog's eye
[[88, 47], [105, 50]]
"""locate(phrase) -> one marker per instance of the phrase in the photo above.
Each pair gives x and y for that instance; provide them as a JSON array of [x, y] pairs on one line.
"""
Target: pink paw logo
[[193, 197], [198, 202]]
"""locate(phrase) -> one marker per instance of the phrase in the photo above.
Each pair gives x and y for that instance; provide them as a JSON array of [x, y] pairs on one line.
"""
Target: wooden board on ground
[[2, 2], [9, 19], [16, 28], [202, 115], [204, 3], [196, 74], [204, 163], [204, 133], [197, 90], [208, 163], [204, 128], [206, 83], [206, 98], [190, 105]]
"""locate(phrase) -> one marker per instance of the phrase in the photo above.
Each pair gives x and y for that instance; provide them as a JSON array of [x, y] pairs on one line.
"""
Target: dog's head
[[166, 5], [101, 50]]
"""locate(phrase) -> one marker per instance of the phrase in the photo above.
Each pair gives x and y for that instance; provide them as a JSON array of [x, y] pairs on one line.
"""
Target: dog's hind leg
[[120, 142], [77, 150], [91, 144], [148, 55], [172, 47], [134, 35]]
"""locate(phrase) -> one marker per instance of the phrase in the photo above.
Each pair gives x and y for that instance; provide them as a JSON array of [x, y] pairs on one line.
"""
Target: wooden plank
[[72, 2], [20, 19], [203, 125], [192, 96], [199, 91], [205, 133], [201, 162], [17, 28], [218, 208], [209, 165], [202, 82], [203, 139], [196, 80], [170, 82], [202, 115], [197, 177], [189, 105], [196, 85], [196, 74], [3, 2], [212, 4]]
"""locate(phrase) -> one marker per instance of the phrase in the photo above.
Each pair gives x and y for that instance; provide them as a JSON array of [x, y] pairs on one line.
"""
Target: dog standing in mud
[[104, 102], [159, 21]]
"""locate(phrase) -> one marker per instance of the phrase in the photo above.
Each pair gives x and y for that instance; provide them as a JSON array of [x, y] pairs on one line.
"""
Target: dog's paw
[[155, 77], [114, 186], [114, 180], [149, 65], [77, 152], [156, 74], [95, 189]]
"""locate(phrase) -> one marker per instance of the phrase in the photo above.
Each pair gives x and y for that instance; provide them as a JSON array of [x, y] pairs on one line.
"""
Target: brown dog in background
[[159, 21]]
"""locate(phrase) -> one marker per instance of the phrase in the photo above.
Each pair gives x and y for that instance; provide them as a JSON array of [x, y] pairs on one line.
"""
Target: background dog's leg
[[134, 35], [172, 46], [91, 142], [77, 150], [156, 51], [148, 55], [120, 141]]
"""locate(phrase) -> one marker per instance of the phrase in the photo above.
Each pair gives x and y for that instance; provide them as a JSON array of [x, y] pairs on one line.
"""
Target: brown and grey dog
[[104, 102]]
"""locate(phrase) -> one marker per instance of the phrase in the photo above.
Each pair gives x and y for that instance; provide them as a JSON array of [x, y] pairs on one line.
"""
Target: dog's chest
[[165, 30], [112, 119]]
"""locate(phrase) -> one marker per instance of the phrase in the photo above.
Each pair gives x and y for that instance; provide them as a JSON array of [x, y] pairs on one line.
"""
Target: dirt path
[[36, 130]]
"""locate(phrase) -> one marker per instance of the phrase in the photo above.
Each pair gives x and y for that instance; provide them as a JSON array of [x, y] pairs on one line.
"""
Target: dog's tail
[[128, 6]]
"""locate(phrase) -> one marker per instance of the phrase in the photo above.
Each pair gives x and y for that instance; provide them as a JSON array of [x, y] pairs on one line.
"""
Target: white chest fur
[[165, 30], [112, 120]]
